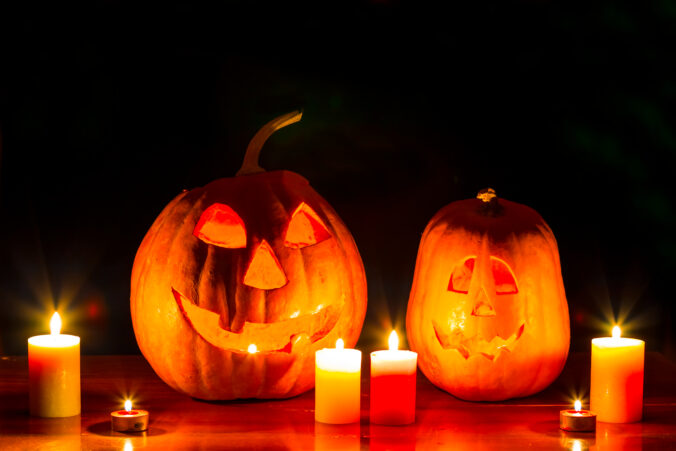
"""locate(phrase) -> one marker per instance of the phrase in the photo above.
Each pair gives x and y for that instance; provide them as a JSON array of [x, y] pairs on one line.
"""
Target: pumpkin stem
[[490, 205], [253, 151], [487, 195]]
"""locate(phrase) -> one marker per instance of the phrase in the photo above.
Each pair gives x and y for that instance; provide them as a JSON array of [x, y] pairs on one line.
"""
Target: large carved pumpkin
[[487, 313], [238, 283]]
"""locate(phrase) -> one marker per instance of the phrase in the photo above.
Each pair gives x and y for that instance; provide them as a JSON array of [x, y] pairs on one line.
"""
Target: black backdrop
[[109, 110]]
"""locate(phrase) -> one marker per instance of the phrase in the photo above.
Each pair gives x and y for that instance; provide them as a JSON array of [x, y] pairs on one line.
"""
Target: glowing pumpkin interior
[[485, 315], [221, 226]]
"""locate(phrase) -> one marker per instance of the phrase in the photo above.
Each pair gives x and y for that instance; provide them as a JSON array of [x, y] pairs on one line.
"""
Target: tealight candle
[[393, 385], [577, 420], [129, 420], [337, 384], [54, 373], [617, 378]]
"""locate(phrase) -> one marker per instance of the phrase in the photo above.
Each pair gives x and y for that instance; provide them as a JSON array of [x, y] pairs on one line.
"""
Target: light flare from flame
[[252, 349]]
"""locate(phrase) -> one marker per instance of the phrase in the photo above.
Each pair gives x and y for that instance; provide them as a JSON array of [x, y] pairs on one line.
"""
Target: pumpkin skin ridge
[[349, 288], [171, 245], [138, 279], [442, 228], [185, 224]]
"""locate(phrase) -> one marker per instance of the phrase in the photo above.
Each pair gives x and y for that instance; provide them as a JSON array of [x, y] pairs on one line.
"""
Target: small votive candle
[[577, 420], [616, 393], [54, 373], [129, 420], [337, 385], [393, 385]]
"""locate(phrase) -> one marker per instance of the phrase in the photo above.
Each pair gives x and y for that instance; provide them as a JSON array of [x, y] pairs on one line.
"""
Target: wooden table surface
[[180, 422]]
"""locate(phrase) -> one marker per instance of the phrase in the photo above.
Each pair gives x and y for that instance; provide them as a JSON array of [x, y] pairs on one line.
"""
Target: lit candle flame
[[577, 445], [393, 341], [127, 405], [128, 446], [340, 344], [617, 332], [252, 349], [578, 405], [55, 324]]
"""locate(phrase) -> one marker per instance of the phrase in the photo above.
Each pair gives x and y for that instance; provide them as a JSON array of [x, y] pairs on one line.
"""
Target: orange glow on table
[[617, 378], [54, 373], [337, 385], [393, 374]]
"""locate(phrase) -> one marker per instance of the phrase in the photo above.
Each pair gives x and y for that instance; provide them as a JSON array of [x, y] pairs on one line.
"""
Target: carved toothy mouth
[[280, 336], [468, 346]]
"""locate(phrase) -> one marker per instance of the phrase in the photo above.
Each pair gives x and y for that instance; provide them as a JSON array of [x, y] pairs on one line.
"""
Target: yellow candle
[[54, 373], [337, 384], [617, 378]]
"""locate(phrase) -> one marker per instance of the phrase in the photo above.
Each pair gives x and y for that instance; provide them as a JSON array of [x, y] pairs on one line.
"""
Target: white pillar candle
[[54, 373]]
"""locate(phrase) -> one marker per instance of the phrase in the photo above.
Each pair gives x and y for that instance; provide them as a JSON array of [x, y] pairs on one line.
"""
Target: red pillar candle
[[393, 385]]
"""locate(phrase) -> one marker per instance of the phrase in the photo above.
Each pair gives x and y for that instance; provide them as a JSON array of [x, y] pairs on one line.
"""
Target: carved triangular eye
[[503, 277], [305, 228], [221, 226], [461, 276]]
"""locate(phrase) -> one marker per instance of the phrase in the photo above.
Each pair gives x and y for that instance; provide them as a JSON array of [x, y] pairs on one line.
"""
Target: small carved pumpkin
[[238, 283], [487, 312]]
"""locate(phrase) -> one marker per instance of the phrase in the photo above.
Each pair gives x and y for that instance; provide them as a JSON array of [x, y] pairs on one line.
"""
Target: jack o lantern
[[238, 283], [487, 312]]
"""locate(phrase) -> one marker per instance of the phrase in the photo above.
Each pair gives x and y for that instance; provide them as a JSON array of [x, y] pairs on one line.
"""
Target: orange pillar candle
[[54, 373], [337, 385], [393, 385], [617, 378]]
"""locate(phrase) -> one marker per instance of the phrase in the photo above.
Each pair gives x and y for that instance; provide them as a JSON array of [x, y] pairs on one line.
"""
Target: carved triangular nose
[[264, 270], [483, 305]]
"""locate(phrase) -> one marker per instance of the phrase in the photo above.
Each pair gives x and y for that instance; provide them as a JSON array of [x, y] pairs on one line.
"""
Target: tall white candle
[[54, 373]]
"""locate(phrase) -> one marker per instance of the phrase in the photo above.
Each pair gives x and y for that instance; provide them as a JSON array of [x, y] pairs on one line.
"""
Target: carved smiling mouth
[[280, 336], [468, 346]]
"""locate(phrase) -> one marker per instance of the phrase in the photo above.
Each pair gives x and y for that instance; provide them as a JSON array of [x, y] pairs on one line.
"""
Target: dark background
[[107, 111]]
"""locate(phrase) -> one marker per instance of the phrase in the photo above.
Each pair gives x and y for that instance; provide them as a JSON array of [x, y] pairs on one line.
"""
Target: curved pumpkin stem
[[253, 151]]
